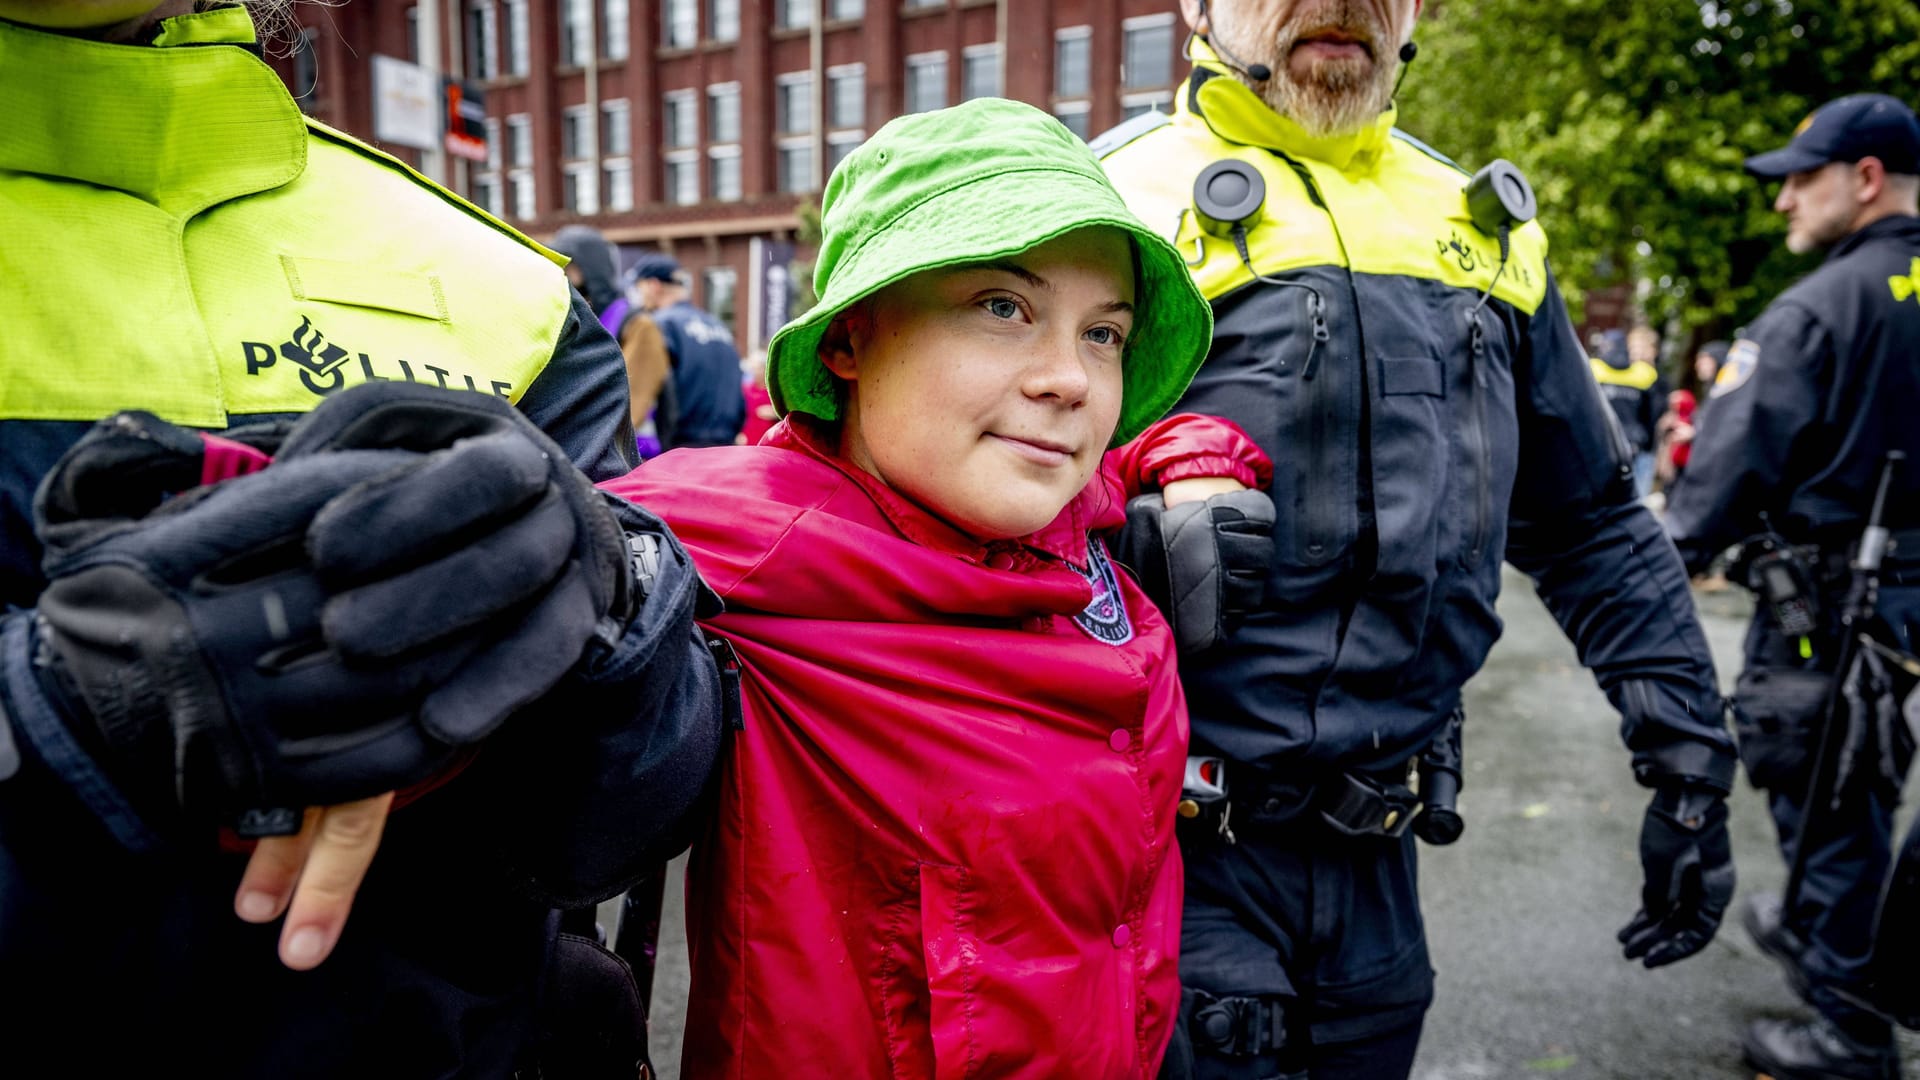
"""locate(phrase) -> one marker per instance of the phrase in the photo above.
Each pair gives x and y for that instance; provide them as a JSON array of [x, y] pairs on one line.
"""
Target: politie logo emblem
[[1105, 618], [324, 365], [1741, 360], [1906, 287]]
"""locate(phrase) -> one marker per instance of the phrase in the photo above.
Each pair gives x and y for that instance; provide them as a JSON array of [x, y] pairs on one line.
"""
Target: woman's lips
[[1040, 453]]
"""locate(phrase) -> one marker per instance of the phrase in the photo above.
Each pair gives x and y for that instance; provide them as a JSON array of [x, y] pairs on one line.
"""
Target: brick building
[[701, 126]]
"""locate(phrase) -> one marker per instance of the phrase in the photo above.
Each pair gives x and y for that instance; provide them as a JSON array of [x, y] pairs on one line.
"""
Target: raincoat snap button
[[1000, 560], [1120, 740], [1121, 935]]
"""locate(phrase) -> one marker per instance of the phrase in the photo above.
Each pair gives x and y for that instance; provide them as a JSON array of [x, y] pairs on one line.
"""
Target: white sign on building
[[406, 104]]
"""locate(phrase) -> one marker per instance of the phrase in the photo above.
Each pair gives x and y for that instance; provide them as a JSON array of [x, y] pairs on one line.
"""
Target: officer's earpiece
[[1253, 72]]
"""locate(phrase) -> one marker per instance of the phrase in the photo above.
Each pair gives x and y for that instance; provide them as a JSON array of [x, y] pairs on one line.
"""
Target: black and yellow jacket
[[1418, 435], [176, 237]]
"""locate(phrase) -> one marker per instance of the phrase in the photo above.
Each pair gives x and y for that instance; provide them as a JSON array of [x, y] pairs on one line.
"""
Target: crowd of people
[[1047, 686]]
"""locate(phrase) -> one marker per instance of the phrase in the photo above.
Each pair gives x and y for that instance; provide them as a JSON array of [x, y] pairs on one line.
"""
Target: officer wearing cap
[[1804, 410], [706, 368]]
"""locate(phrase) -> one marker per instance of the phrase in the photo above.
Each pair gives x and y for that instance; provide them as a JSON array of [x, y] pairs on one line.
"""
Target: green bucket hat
[[983, 181]]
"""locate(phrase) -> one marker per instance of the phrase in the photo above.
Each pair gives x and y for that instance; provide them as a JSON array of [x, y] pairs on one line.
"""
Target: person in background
[[710, 407], [1627, 376]]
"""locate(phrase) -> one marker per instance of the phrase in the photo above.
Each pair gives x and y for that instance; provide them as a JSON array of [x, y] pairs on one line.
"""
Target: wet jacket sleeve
[[1749, 432], [580, 398], [1186, 446], [593, 786], [1603, 565]]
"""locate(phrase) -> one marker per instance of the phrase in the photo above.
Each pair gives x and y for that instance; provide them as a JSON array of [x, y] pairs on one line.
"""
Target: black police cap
[[1848, 129]]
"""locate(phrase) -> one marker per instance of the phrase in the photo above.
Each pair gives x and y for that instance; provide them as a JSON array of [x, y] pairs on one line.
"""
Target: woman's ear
[[837, 347]]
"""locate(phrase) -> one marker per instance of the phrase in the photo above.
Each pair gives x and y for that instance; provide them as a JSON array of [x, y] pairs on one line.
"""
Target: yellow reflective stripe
[[1639, 375]]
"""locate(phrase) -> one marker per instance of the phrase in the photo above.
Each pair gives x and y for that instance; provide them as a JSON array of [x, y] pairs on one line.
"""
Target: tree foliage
[[1632, 118]]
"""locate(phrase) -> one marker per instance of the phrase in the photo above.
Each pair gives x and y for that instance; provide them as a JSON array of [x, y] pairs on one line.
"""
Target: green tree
[[1632, 118]]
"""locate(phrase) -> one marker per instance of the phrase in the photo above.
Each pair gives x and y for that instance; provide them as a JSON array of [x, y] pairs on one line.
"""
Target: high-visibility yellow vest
[[175, 236]]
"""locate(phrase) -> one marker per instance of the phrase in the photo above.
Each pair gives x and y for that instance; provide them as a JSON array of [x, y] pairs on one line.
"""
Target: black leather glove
[[1688, 860], [1204, 564], [414, 566]]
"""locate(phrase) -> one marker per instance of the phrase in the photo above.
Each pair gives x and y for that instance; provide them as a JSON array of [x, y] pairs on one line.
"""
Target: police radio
[[1498, 198], [1229, 198], [1779, 577]]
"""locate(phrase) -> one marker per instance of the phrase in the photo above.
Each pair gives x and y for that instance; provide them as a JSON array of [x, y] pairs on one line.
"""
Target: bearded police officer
[[1803, 415], [1399, 347]]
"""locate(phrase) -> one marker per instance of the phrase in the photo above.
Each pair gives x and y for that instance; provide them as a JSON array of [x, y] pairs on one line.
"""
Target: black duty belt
[[1351, 803]]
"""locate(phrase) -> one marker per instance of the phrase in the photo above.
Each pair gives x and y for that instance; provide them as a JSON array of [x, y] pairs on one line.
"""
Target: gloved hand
[[1688, 861], [1204, 563], [414, 566]]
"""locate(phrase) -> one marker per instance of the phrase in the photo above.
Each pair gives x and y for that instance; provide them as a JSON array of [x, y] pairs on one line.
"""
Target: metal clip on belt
[[1239, 1027], [1358, 805]]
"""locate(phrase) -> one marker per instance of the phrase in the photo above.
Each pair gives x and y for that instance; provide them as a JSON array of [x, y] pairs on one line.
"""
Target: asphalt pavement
[[1521, 913]]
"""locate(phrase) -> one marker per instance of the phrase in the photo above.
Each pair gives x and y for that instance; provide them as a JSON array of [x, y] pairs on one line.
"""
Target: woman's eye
[[1104, 335], [1002, 307]]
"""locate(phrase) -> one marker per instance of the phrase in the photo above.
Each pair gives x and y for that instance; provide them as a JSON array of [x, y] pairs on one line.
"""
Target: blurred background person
[[710, 405]]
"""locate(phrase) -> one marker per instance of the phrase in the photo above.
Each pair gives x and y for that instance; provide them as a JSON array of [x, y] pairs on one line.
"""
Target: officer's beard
[[1332, 96]]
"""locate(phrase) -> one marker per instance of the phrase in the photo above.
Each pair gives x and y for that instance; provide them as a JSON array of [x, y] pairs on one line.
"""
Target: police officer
[[421, 590], [708, 394], [1633, 387], [1804, 411], [1409, 365]]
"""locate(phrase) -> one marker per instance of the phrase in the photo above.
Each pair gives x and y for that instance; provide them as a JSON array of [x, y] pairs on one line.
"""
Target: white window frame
[[1061, 37], [919, 61], [495, 148], [586, 186], [989, 52], [1155, 99], [616, 21], [691, 97], [675, 159], [526, 201], [730, 152], [783, 85], [786, 10], [724, 90], [723, 20], [518, 55], [1133, 25], [578, 120], [833, 11], [1080, 107], [574, 21], [856, 72], [489, 48], [782, 148], [519, 138], [617, 197], [679, 24], [622, 128]]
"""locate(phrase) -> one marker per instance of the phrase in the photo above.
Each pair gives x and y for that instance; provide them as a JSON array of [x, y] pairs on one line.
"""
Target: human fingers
[[344, 843], [272, 871]]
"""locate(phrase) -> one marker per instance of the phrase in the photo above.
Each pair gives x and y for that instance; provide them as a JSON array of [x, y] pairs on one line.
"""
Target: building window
[[723, 20], [720, 282], [576, 25], [926, 82], [616, 184], [683, 178], [679, 24], [796, 166], [615, 139], [576, 132], [980, 71], [486, 192], [613, 29], [493, 144], [579, 192], [413, 33], [519, 62], [840, 144], [723, 173], [723, 113], [1147, 54], [793, 103], [677, 121], [793, 14], [483, 59], [1132, 105], [847, 96], [846, 9], [912, 4], [1073, 62], [520, 140], [1074, 115], [520, 193]]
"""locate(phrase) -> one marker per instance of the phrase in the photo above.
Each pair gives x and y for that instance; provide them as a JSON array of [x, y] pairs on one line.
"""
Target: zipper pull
[[1316, 311], [1478, 341], [729, 664]]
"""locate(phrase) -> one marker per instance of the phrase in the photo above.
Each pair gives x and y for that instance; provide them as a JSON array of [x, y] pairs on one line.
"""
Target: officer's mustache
[[1348, 21]]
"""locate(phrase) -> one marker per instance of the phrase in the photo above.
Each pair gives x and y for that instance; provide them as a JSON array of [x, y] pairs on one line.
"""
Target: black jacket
[[1806, 407]]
